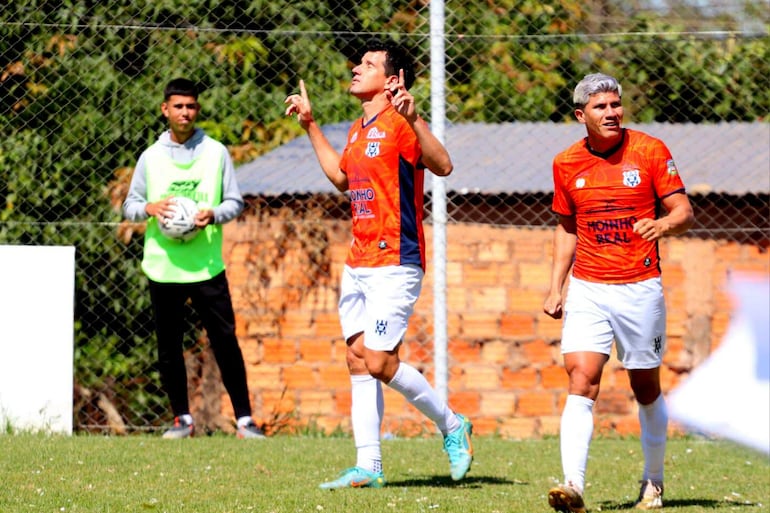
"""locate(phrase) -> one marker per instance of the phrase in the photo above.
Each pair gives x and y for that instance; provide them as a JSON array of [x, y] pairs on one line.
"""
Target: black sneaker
[[181, 429]]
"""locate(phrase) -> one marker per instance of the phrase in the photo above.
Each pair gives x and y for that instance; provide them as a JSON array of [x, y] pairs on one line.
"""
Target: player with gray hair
[[594, 84], [610, 189]]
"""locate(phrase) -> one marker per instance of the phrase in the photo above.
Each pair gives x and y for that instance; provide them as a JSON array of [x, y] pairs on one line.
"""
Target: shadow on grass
[[670, 503], [446, 482]]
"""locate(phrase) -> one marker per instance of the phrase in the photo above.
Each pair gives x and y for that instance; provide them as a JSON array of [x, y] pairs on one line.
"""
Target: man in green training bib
[[185, 162]]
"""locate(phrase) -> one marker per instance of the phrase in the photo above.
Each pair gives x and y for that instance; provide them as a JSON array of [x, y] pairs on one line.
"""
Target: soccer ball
[[181, 226]]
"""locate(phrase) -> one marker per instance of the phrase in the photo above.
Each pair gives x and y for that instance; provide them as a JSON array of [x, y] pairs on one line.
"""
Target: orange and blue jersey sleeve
[[562, 203], [346, 151], [408, 145], [665, 175]]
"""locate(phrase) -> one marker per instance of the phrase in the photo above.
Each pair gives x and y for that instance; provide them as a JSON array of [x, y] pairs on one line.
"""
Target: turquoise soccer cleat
[[356, 477], [459, 448]]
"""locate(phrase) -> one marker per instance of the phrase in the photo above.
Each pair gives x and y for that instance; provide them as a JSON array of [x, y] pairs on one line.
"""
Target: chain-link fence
[[80, 89]]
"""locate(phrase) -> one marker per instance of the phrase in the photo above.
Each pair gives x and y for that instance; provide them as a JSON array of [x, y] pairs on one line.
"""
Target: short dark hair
[[396, 58], [180, 87]]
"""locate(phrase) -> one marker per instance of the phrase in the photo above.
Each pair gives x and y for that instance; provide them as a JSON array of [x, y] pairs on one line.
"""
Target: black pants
[[211, 300]]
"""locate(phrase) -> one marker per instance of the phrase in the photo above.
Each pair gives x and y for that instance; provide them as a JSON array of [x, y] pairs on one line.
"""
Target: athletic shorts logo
[[381, 327], [657, 344], [631, 178], [372, 149]]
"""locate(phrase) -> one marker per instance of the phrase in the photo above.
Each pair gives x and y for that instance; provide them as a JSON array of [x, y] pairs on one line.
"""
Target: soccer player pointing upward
[[608, 190], [382, 168]]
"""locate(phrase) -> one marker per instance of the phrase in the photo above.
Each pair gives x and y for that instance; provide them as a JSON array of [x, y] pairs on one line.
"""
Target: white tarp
[[37, 287]]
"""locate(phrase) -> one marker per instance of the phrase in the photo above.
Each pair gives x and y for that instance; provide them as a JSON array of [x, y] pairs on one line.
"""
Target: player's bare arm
[[679, 219], [401, 99], [299, 105], [434, 154], [564, 244]]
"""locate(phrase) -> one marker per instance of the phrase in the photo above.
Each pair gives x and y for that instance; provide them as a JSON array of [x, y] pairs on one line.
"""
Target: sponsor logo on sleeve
[[671, 167]]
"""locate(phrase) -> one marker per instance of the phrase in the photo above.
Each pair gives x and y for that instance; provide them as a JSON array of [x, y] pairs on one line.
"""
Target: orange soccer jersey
[[385, 181], [607, 195]]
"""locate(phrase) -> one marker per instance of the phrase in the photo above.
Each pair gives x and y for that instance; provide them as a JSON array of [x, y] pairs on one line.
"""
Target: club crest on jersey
[[375, 134], [372, 149], [381, 327], [631, 178]]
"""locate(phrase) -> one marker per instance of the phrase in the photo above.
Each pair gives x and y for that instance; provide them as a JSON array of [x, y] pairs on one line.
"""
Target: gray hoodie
[[136, 200]]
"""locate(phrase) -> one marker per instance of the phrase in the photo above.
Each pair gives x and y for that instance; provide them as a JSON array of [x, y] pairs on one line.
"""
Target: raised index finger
[[302, 90]]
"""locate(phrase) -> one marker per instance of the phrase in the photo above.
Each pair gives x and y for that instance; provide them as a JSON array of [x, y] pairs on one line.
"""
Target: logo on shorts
[[657, 344], [381, 327]]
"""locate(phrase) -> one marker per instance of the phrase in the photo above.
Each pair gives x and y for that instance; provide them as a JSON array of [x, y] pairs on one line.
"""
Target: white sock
[[187, 418], [577, 427], [244, 421], [653, 419], [415, 388], [366, 411]]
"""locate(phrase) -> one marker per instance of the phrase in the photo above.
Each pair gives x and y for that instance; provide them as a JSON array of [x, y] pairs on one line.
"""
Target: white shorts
[[378, 301], [633, 314]]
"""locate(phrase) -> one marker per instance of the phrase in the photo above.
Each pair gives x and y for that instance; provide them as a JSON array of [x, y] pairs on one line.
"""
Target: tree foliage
[[81, 81]]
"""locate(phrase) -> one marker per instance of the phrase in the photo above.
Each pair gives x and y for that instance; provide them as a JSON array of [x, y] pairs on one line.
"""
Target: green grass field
[[221, 474]]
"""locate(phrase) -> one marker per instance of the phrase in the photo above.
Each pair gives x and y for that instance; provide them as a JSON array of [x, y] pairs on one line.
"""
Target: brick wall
[[504, 363]]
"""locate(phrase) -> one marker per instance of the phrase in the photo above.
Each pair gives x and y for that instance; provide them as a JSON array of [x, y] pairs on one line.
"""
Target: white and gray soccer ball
[[181, 226]]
